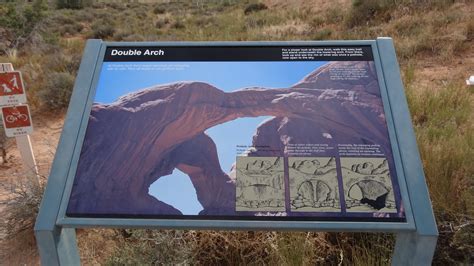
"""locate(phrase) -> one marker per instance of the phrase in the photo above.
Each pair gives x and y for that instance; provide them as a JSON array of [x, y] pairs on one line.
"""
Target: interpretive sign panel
[[287, 132], [255, 136]]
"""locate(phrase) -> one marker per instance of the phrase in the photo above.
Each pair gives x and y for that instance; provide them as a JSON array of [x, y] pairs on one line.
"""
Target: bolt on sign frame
[[416, 233]]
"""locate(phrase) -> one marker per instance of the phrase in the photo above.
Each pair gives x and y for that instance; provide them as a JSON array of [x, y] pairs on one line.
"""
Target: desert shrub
[[57, 90], [85, 15], [72, 62], [18, 219], [178, 24], [322, 34], [424, 43], [364, 11], [116, 6], [409, 26], [34, 13], [254, 22], [71, 29], [121, 35], [438, 4], [101, 30], [155, 247], [161, 22], [234, 248], [366, 248], [254, 8], [62, 62], [74, 4], [9, 17], [63, 19], [51, 38], [334, 15], [22, 19], [455, 244], [144, 247], [317, 22], [470, 30], [159, 10], [134, 37], [204, 21], [141, 14]]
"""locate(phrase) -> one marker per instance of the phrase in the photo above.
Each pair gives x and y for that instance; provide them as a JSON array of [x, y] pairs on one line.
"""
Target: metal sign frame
[[416, 238]]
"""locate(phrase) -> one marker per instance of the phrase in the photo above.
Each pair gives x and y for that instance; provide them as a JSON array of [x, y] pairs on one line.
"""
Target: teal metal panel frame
[[416, 238]]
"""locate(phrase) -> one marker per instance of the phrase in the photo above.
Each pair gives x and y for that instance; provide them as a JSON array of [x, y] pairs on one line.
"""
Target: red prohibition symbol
[[17, 116]]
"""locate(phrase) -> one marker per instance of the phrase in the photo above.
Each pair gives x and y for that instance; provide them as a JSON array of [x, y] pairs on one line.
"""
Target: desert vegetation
[[435, 48]]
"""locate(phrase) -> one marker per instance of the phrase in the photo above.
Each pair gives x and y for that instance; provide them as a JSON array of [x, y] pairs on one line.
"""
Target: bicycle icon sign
[[17, 120], [16, 116], [12, 91]]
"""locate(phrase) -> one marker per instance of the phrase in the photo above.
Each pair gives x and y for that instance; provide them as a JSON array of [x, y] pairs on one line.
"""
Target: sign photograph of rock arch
[[236, 133]]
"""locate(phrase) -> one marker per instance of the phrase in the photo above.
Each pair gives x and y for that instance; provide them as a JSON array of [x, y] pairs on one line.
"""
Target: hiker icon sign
[[12, 91]]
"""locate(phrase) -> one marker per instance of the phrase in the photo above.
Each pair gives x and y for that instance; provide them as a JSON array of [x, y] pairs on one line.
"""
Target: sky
[[120, 78]]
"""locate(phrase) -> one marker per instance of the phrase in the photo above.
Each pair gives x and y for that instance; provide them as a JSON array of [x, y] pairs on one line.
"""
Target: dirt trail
[[47, 130]]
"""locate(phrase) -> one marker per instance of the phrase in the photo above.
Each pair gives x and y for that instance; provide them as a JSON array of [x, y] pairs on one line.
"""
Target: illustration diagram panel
[[260, 184], [313, 184], [367, 185]]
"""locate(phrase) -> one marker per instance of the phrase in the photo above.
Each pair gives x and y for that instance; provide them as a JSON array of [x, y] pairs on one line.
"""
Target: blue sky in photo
[[120, 78]]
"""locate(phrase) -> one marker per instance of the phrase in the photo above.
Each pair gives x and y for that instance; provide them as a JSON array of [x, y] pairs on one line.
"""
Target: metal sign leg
[[58, 247], [414, 249]]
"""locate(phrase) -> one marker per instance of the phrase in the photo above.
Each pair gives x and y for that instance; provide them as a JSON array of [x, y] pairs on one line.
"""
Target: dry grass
[[250, 248], [444, 121]]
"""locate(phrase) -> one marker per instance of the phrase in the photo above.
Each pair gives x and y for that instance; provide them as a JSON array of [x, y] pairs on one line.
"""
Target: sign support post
[[24, 146], [57, 245], [29, 161], [411, 248]]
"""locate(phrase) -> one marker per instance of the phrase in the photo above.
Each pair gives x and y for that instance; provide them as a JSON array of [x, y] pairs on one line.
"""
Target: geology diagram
[[313, 184], [146, 134], [259, 184], [367, 185]]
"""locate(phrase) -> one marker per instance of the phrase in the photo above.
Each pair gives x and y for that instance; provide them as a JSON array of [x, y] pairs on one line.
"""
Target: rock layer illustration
[[259, 184], [144, 135], [313, 184], [367, 185]]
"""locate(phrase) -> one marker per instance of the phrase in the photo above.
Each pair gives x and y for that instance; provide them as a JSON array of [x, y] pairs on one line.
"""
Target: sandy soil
[[430, 72], [47, 130]]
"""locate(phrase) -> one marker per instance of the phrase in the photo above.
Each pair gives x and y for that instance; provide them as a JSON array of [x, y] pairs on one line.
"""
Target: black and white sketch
[[260, 184], [367, 185], [313, 184]]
